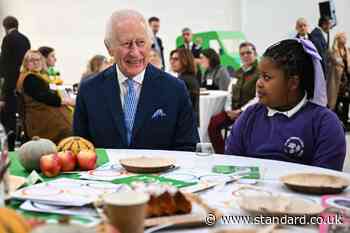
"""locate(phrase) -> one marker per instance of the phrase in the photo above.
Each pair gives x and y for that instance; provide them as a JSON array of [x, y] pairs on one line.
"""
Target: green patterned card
[[253, 172], [153, 179]]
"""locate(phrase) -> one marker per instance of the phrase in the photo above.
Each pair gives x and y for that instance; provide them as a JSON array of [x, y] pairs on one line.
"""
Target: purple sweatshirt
[[312, 136]]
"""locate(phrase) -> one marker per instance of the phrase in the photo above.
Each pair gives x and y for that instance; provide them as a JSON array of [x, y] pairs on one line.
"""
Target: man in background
[[189, 44], [154, 24], [13, 47], [320, 37]]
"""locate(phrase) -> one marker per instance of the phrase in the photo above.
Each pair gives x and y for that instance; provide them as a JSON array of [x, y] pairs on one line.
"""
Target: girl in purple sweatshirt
[[290, 122]]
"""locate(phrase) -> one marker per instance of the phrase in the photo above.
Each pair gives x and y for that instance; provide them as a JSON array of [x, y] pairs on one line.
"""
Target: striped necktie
[[130, 104]]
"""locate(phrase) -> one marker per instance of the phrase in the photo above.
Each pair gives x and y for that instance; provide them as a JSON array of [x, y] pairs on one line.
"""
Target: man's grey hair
[[119, 16], [301, 20], [186, 29]]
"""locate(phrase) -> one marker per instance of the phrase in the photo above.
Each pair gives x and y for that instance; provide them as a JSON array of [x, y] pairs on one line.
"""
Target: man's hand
[[233, 115]]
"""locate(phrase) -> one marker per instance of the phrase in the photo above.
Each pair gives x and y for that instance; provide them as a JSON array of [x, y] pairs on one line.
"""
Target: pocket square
[[158, 113]]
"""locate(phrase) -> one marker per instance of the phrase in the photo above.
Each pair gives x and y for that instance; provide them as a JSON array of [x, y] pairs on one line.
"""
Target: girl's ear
[[293, 83]]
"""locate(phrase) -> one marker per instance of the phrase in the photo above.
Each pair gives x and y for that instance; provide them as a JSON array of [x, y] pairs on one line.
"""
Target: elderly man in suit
[[132, 104], [13, 47]]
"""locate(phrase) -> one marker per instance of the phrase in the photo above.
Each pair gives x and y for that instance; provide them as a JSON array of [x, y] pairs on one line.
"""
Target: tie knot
[[129, 82]]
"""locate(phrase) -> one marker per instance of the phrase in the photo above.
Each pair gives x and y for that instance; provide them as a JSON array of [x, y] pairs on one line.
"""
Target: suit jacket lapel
[[148, 98], [111, 90]]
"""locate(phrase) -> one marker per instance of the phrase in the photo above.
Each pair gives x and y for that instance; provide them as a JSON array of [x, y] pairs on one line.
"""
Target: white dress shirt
[[271, 112], [138, 80]]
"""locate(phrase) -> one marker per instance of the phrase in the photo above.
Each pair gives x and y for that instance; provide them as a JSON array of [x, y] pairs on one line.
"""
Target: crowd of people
[[292, 104]]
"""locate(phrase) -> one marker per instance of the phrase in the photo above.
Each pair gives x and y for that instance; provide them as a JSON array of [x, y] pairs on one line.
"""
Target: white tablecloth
[[209, 105], [270, 170]]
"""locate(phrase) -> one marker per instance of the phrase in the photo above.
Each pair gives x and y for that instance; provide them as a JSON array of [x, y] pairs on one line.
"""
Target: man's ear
[[108, 47], [293, 83]]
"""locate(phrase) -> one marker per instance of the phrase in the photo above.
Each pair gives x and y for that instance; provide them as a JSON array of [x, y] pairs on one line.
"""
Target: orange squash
[[11, 222], [75, 144]]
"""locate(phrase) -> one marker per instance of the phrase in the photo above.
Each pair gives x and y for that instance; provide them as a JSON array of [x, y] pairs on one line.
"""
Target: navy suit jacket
[[321, 46], [99, 115]]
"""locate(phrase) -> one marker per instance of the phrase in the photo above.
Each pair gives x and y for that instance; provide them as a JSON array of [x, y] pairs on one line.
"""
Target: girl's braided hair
[[289, 55]]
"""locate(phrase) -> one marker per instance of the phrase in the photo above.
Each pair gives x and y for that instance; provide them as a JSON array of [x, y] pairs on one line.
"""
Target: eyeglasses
[[140, 43], [246, 53], [34, 60]]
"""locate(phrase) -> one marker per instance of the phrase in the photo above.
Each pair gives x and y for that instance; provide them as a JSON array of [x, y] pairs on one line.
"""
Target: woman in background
[[155, 59], [182, 62], [95, 65], [46, 114], [50, 60], [216, 76], [338, 83]]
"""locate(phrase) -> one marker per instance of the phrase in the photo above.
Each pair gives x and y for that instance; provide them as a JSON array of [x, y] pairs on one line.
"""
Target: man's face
[[187, 35], [302, 27], [130, 46], [247, 55], [155, 25], [326, 26]]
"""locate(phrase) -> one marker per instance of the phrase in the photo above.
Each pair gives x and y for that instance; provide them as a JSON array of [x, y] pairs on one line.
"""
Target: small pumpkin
[[75, 144], [31, 152], [11, 222]]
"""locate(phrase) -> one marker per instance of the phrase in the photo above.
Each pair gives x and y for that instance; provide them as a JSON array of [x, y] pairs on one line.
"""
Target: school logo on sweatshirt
[[294, 146]]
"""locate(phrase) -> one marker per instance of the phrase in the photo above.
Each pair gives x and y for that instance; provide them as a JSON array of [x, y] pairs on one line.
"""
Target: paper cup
[[126, 210]]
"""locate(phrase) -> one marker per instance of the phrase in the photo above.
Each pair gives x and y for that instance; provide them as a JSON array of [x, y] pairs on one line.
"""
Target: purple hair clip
[[320, 91]]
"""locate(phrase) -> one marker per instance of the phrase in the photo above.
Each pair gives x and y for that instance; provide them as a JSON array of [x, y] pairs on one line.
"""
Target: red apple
[[67, 160], [50, 165], [87, 159]]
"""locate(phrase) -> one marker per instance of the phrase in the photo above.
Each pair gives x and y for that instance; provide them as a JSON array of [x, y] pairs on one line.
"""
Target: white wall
[[76, 28], [267, 21]]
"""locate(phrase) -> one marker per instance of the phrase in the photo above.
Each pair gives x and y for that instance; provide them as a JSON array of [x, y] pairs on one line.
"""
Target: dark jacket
[[164, 117], [13, 48], [160, 43], [245, 88], [321, 45], [193, 89]]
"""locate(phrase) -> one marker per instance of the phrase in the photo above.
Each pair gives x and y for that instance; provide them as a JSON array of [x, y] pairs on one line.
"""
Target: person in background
[[291, 122], [134, 104], [155, 59], [302, 28], [50, 57], [189, 44], [46, 114], [338, 82], [95, 65], [242, 95], [216, 76], [14, 46], [154, 23], [320, 38], [194, 48], [182, 62]]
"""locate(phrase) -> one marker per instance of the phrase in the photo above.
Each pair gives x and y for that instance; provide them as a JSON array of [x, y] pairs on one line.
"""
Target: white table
[[271, 171], [209, 105]]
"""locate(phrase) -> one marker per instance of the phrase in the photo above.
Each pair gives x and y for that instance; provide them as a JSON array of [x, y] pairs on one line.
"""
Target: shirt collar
[[323, 33], [122, 78], [271, 112]]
